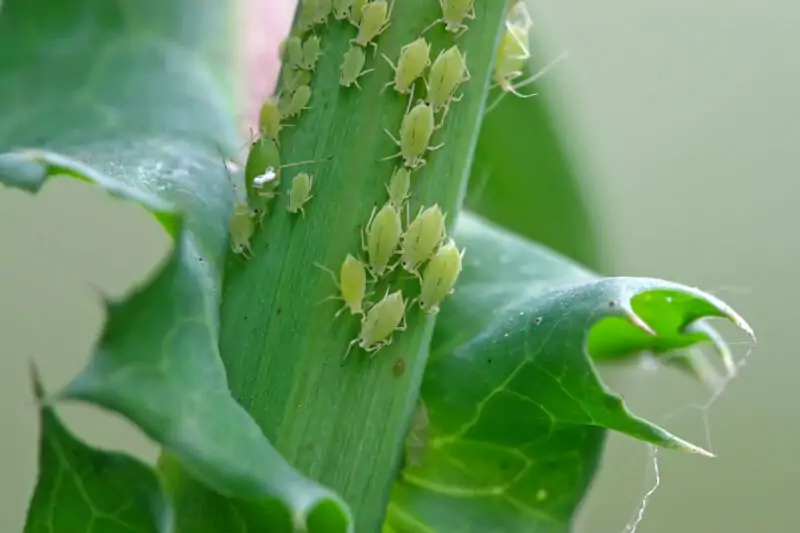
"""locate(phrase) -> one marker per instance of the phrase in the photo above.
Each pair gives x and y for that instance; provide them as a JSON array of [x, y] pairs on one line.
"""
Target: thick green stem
[[344, 424]]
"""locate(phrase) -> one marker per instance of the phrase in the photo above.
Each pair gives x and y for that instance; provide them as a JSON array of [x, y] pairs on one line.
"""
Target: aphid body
[[261, 173], [374, 21], [382, 319], [341, 9], [269, 120], [447, 73], [398, 187], [454, 12], [292, 52], [352, 285], [414, 59], [422, 237], [324, 8], [292, 79], [241, 228], [300, 193], [352, 66], [356, 11], [383, 234], [309, 12], [415, 135], [311, 52], [511, 55], [439, 277], [298, 102]]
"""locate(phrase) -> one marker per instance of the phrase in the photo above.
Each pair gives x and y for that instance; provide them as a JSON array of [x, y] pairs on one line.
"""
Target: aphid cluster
[[420, 246]]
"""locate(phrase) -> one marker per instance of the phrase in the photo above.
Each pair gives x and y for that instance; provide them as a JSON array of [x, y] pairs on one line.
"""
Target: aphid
[[241, 228], [374, 21], [311, 52], [439, 277], [291, 52], [398, 187], [324, 8], [298, 102], [447, 73], [356, 11], [341, 9], [269, 120], [352, 285], [292, 80], [382, 236], [453, 14], [399, 368], [422, 237], [352, 64], [512, 53], [300, 193], [263, 159], [415, 136], [382, 319], [309, 11], [414, 59]]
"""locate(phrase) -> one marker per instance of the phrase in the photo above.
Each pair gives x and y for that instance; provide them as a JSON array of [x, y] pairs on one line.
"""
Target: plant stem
[[344, 424]]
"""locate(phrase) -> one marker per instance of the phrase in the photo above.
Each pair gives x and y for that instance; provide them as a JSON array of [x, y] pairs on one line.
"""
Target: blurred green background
[[690, 110]]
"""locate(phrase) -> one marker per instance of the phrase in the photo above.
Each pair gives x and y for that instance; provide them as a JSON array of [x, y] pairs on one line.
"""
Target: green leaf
[[526, 176], [516, 408], [82, 489], [126, 96]]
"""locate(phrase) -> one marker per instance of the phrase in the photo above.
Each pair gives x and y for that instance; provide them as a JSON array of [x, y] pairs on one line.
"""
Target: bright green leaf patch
[[133, 105], [83, 490], [516, 408]]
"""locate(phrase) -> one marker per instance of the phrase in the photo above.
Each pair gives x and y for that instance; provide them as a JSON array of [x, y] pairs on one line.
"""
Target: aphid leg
[[431, 25], [397, 142], [349, 346]]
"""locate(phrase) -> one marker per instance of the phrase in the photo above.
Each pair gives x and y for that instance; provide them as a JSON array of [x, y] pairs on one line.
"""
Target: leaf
[[526, 176], [83, 489], [135, 106], [516, 408]]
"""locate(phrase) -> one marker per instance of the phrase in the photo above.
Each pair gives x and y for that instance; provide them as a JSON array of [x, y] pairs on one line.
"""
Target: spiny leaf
[[136, 108], [82, 489], [516, 408]]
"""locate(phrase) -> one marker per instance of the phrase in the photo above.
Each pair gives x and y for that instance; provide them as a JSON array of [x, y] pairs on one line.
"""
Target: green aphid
[[398, 187], [380, 322], [447, 73], [300, 192], [352, 66], [422, 237], [375, 17], [414, 59], [383, 233], [341, 9], [269, 120], [440, 276], [356, 11], [311, 53], [297, 103], [352, 285], [291, 52], [241, 229], [416, 131]]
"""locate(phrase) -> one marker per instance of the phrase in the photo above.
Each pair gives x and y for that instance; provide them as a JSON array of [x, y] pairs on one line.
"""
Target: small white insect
[[311, 53], [352, 285], [341, 9], [439, 277], [380, 322], [454, 12], [298, 102], [356, 11], [415, 136], [300, 193], [383, 233], [422, 237], [414, 59], [375, 17], [269, 120], [447, 73], [241, 229], [398, 187], [268, 176], [352, 66]]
